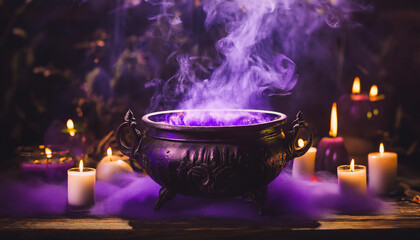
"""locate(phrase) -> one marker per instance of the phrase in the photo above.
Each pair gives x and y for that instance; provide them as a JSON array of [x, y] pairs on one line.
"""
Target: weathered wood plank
[[66, 223], [403, 222]]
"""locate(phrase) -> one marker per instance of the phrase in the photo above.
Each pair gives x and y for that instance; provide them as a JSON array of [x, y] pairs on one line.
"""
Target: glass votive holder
[[49, 163]]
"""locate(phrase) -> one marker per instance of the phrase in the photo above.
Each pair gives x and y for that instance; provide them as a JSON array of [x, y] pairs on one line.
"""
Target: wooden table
[[403, 223]]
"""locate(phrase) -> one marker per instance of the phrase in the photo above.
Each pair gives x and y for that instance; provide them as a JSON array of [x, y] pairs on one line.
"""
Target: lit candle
[[81, 187], [48, 153], [362, 116], [382, 169], [352, 179], [304, 166], [373, 94], [356, 89], [51, 163], [70, 127], [331, 151], [111, 166]]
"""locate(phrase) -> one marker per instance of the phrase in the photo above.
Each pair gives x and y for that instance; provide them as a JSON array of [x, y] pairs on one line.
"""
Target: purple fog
[[134, 197], [215, 117], [250, 59]]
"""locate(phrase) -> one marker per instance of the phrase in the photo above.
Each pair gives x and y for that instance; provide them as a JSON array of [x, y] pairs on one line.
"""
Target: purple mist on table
[[331, 151]]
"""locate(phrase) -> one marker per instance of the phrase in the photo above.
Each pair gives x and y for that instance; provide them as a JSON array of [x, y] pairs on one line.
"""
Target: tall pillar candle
[[81, 187], [382, 171]]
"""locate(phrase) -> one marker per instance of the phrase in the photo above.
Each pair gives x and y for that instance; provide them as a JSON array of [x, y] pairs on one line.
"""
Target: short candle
[[352, 179], [304, 166], [111, 166], [382, 171], [81, 187]]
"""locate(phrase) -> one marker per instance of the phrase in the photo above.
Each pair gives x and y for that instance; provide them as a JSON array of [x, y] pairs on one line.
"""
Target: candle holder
[[49, 162]]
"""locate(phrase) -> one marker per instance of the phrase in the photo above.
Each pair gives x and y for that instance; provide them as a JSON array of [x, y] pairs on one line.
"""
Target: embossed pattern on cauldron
[[212, 161]]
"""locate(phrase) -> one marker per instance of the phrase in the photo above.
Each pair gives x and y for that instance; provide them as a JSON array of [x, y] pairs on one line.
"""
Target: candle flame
[[356, 86], [70, 127], [381, 149], [109, 152], [300, 143], [48, 152], [333, 126], [81, 166], [70, 124], [373, 91], [352, 165]]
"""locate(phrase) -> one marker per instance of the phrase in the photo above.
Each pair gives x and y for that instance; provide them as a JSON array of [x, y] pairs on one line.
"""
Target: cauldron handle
[[133, 150], [298, 124]]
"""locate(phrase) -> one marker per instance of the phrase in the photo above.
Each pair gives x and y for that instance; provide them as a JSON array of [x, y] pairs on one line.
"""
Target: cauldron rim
[[166, 126]]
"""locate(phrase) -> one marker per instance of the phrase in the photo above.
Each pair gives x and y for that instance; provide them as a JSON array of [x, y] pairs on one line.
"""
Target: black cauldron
[[239, 158]]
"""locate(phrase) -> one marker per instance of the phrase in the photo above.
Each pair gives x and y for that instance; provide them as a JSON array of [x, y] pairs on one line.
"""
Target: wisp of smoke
[[250, 61]]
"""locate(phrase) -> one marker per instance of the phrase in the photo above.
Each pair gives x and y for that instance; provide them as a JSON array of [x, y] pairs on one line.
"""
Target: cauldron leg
[[165, 195], [258, 197]]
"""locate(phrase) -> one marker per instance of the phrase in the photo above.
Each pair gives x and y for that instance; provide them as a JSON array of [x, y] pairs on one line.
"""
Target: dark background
[[63, 58]]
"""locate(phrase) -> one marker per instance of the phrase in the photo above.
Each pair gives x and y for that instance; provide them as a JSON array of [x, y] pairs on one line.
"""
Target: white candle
[[81, 186], [352, 179], [382, 169], [111, 166], [304, 166]]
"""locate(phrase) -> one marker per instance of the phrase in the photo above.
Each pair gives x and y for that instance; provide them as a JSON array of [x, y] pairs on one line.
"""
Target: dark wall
[[49, 47]]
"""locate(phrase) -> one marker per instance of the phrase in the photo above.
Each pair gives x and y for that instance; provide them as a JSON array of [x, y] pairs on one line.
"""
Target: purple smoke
[[214, 117], [134, 197], [250, 58]]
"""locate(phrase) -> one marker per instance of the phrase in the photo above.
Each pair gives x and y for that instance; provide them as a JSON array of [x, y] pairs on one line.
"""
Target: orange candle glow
[[356, 86], [373, 91], [109, 153], [334, 123], [70, 127]]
